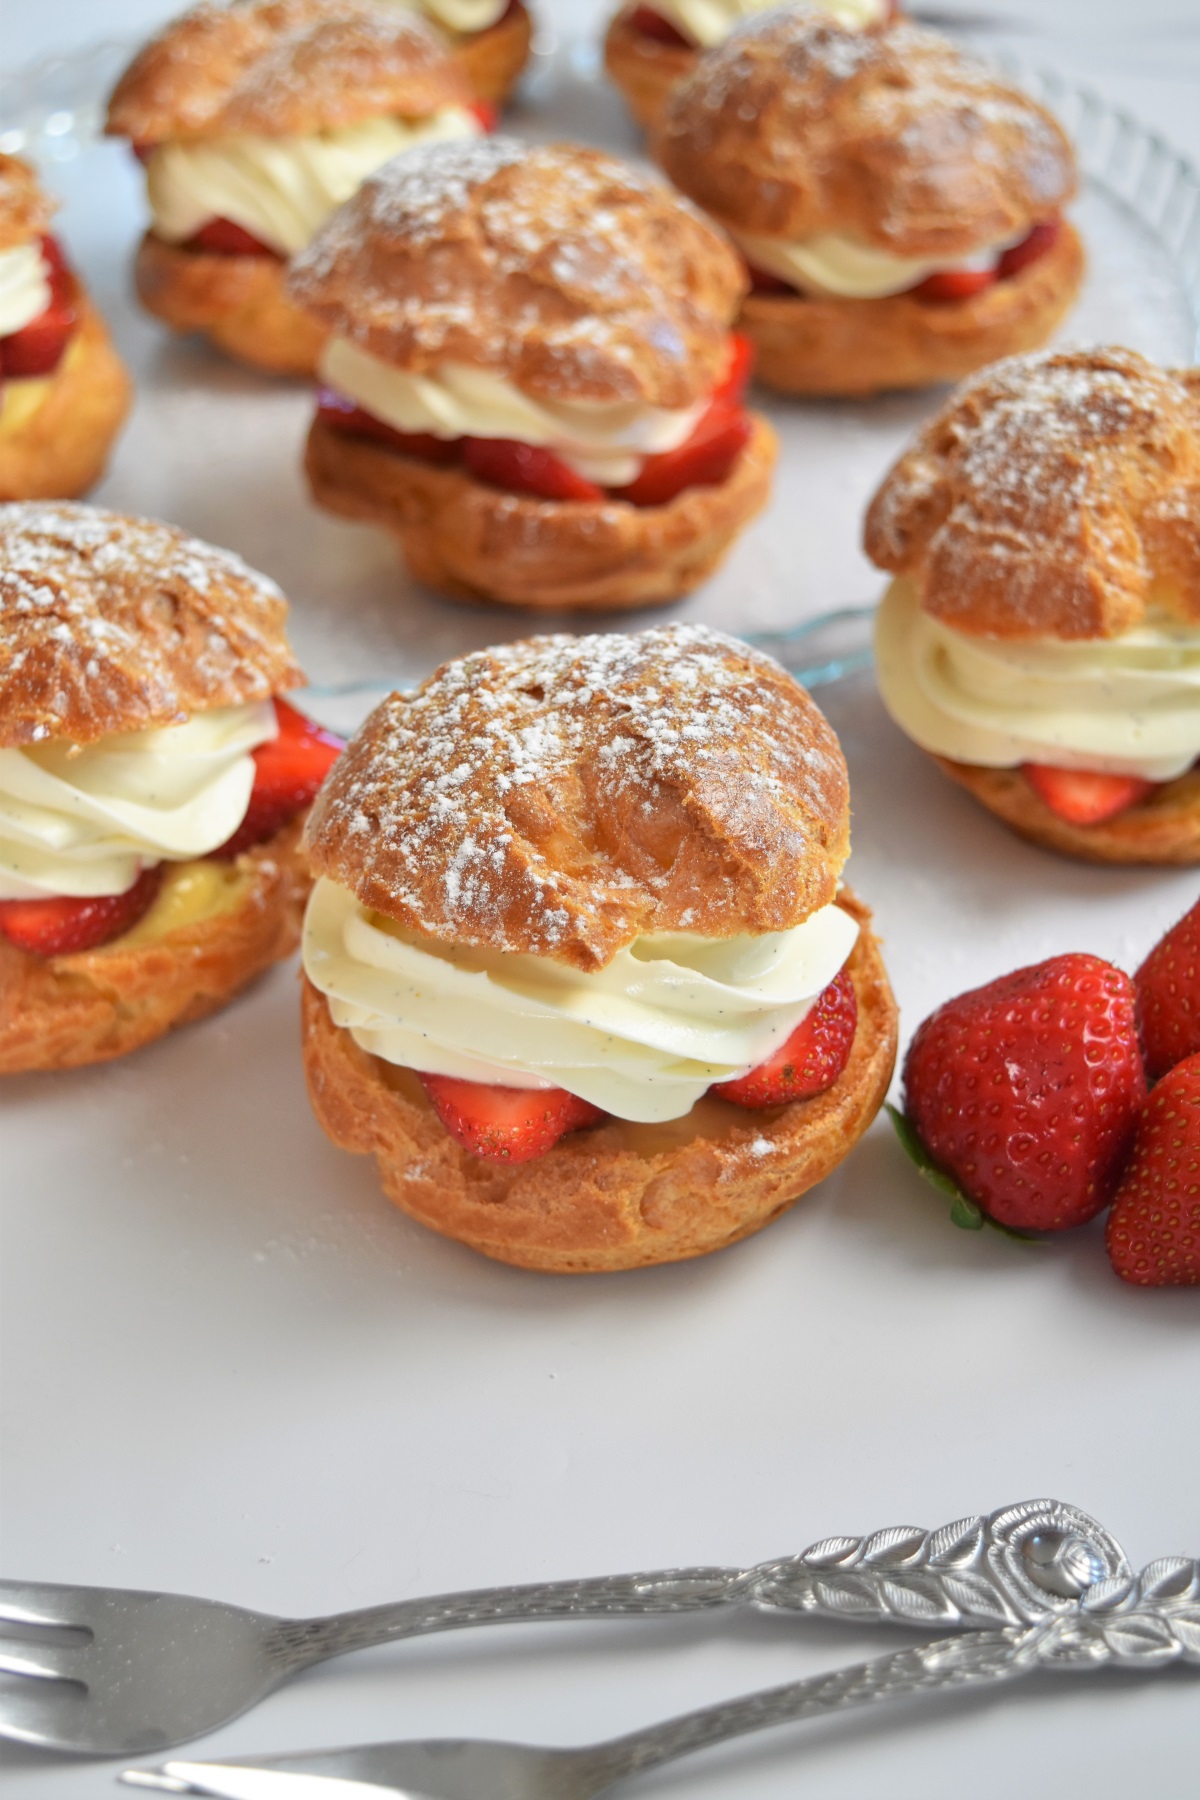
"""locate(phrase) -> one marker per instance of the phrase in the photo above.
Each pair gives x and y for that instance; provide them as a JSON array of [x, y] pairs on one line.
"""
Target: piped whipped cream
[[459, 15], [643, 1037], [1127, 705], [604, 442], [708, 22], [87, 819], [24, 287], [850, 268], [281, 189]]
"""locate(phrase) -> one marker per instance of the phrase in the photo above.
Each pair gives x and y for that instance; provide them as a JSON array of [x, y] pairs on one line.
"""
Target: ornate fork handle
[[1142, 1622], [1009, 1567]]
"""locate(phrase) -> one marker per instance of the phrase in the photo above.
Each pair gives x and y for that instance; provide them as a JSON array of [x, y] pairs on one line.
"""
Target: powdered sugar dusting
[[109, 623], [559, 265], [562, 794], [1057, 473]]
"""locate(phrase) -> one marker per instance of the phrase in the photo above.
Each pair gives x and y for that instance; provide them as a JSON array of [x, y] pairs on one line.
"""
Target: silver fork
[[1140, 1622], [160, 1669]]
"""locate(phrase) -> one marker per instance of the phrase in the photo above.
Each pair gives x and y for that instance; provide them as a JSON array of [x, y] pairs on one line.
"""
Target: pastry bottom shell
[[492, 60], [60, 1012], [1164, 828], [237, 301], [61, 450], [617, 1196], [852, 347], [643, 69], [475, 542]]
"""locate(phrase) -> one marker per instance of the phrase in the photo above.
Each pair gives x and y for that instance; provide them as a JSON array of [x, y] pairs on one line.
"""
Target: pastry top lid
[[1054, 495], [25, 207], [278, 68], [563, 796], [796, 126], [112, 624], [558, 267]]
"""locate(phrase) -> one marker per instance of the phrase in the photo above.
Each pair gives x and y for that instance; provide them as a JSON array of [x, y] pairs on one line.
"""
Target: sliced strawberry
[[705, 460], [647, 23], [949, 285], [221, 237], [345, 416], [738, 370], [1042, 238], [60, 925], [39, 347], [1084, 796], [506, 1124], [810, 1060], [55, 260], [762, 283], [526, 469], [288, 772], [486, 113]]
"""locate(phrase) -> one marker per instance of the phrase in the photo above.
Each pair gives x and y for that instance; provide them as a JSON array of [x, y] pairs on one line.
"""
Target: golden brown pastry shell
[[616, 1196], [492, 61], [25, 208], [61, 451], [474, 542], [644, 69], [1162, 829], [237, 301], [845, 348], [61, 1012]]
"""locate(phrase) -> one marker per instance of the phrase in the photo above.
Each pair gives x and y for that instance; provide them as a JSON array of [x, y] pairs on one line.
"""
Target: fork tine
[[42, 1712], [41, 1603], [25, 1665]]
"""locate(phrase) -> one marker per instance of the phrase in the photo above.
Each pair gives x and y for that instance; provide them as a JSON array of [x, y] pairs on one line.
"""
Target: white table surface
[[230, 1368]]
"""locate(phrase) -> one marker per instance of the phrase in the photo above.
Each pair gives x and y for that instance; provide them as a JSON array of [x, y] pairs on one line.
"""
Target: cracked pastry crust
[[238, 301], [1162, 829], [26, 209], [110, 623], [475, 542], [1053, 495], [280, 68], [492, 60], [645, 70], [61, 450], [61, 1012], [602, 787], [825, 346], [559, 267], [615, 1196]]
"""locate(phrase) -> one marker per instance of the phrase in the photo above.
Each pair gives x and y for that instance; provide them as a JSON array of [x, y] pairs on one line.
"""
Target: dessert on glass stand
[[153, 784], [1041, 636], [64, 391], [530, 377], [490, 39], [580, 971], [899, 207], [651, 45], [255, 121]]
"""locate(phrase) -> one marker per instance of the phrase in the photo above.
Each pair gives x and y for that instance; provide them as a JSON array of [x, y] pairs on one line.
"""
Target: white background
[[231, 1368]]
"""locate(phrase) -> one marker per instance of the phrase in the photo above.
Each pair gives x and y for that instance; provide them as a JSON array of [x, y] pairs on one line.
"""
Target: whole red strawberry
[[1027, 1091], [1168, 996], [1153, 1230]]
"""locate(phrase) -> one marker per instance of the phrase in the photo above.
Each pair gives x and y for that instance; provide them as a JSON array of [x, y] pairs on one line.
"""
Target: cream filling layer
[[1128, 705], [86, 819], [24, 287], [643, 1037], [849, 268], [458, 15], [281, 190], [606, 443], [708, 22]]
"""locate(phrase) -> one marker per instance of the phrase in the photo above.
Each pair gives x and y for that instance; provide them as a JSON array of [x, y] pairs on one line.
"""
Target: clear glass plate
[[215, 447]]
